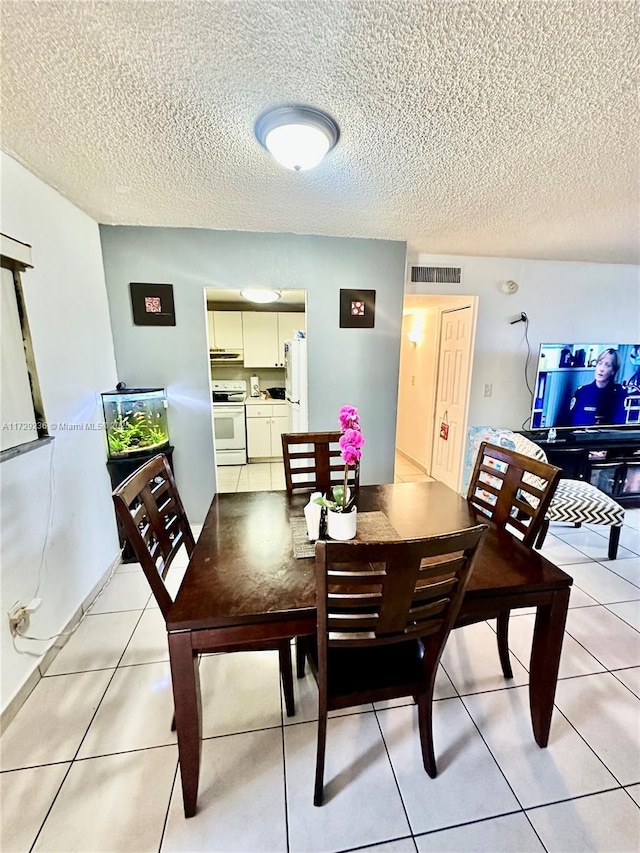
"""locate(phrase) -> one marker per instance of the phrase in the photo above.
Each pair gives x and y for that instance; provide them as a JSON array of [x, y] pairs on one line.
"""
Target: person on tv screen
[[602, 401]]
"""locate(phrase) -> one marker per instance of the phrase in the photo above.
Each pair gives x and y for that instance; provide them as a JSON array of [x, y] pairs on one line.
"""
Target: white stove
[[230, 433]]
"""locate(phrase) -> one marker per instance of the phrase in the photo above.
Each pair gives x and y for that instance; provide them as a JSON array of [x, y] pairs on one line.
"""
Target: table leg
[[188, 714], [545, 661]]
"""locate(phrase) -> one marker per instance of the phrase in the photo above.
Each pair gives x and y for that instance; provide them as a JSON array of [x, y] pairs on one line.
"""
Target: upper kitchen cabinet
[[225, 329], [264, 334]]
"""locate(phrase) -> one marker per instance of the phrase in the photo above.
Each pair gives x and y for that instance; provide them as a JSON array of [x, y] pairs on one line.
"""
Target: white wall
[[354, 366], [563, 300], [68, 314]]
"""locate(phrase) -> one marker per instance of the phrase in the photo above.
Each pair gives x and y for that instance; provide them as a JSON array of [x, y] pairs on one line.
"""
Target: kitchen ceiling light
[[297, 137], [260, 294]]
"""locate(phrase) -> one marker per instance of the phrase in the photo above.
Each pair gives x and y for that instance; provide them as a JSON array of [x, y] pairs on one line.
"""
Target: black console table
[[119, 469], [609, 459]]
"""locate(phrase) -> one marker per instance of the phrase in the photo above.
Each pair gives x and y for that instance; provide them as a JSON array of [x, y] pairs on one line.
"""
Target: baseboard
[[50, 655], [413, 461]]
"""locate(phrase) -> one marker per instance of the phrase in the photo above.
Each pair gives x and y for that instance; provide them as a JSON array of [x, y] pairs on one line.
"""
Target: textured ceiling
[[479, 128]]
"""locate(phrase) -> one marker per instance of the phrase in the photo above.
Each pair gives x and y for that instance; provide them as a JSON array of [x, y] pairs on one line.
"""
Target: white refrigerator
[[295, 368]]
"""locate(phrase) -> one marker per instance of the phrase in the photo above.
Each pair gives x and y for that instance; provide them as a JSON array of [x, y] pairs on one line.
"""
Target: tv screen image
[[587, 385]]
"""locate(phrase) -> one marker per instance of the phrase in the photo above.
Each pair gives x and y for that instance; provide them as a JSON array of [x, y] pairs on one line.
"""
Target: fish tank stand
[[119, 470]]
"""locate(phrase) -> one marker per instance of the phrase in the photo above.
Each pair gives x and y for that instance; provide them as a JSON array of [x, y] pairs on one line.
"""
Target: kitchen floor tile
[[565, 768], [471, 660], [29, 794], [628, 569], [575, 660], [604, 635], [601, 584], [401, 845], [632, 518], [592, 544], [469, 785], [577, 598], [629, 611], [126, 591], [148, 643], [52, 722], [305, 693], [98, 643], [634, 793], [512, 832], [630, 678], [116, 802], [135, 713], [607, 715], [362, 805], [630, 539], [240, 692], [241, 805], [602, 822], [561, 554]]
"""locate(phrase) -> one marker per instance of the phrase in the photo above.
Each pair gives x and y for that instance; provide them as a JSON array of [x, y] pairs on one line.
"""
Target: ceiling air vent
[[436, 275]]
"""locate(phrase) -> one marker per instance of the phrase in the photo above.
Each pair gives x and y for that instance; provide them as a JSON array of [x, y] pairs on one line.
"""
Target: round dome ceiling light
[[297, 137], [260, 294]]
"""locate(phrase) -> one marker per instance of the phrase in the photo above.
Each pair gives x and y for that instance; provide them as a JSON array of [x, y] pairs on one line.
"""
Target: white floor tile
[[565, 768], [607, 715], [305, 693], [578, 598], [630, 539], [629, 611], [574, 660], [128, 567], [472, 663], [127, 591], [135, 713], [603, 822], [444, 689], [601, 584], [52, 722], [117, 802], [97, 644], [241, 803], [634, 793], [148, 643], [627, 569], [561, 554], [610, 640], [29, 794], [361, 801], [240, 692], [592, 544], [630, 678], [469, 785], [512, 832], [632, 518], [402, 845]]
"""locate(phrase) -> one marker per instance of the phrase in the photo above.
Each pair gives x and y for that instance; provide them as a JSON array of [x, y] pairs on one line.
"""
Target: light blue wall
[[355, 366]]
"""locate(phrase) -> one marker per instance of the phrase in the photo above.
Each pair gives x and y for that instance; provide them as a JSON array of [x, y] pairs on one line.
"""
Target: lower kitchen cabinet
[[265, 425]]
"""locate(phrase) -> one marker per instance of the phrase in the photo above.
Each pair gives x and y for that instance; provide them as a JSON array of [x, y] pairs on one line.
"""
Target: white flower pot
[[342, 525]]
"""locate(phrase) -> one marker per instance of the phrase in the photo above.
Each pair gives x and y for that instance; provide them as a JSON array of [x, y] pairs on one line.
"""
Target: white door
[[454, 369]]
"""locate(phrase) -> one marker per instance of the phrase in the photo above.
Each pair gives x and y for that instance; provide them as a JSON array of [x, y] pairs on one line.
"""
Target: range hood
[[226, 356]]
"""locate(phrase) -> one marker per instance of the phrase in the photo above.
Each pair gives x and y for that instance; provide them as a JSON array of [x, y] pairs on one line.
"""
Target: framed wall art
[[357, 309], [152, 304]]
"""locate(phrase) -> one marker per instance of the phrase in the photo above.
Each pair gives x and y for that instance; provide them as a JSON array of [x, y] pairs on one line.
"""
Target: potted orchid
[[341, 511]]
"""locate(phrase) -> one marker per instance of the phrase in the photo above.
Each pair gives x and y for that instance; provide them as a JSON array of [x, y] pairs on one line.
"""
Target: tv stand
[[607, 458]]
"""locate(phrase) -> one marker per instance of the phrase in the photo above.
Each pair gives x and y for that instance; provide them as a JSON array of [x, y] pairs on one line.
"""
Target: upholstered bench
[[576, 502]]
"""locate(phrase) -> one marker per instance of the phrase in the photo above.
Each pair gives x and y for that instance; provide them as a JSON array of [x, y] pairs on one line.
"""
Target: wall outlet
[[18, 617]]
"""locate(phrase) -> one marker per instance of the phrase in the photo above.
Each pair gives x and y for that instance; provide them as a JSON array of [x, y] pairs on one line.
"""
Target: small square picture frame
[[152, 304], [357, 309]]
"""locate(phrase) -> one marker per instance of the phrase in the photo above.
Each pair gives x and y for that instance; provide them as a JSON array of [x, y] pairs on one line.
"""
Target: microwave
[[226, 356]]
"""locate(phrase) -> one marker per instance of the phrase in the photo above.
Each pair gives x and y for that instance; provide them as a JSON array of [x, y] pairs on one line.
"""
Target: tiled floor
[[90, 762]]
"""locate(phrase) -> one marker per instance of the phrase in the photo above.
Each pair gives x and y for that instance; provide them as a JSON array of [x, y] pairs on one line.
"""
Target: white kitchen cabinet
[[288, 323], [260, 337], [227, 327], [265, 425]]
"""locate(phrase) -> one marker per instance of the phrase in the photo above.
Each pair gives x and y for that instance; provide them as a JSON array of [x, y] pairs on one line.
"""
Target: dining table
[[244, 583]]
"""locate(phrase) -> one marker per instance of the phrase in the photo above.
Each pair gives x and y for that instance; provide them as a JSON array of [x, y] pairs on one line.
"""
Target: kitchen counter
[[268, 401]]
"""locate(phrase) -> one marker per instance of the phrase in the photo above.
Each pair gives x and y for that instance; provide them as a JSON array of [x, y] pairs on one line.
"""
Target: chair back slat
[[382, 593], [513, 490], [155, 523], [312, 462]]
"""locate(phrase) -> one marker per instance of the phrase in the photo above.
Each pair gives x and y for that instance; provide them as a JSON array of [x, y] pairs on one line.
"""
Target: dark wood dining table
[[243, 583]]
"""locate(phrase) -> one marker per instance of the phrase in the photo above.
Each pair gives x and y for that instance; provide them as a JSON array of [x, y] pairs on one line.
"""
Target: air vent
[[436, 275]]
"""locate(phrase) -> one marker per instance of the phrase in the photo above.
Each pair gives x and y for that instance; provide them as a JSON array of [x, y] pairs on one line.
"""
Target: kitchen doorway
[[436, 355]]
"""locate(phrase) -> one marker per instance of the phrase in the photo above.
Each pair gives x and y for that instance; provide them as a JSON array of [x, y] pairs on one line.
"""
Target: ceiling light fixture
[[260, 294], [297, 137]]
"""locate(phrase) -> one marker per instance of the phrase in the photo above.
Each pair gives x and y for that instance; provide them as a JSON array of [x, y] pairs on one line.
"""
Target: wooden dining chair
[[385, 610], [156, 525], [514, 492], [312, 462]]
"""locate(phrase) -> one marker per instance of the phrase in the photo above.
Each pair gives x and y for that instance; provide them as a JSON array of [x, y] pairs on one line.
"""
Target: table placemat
[[371, 527]]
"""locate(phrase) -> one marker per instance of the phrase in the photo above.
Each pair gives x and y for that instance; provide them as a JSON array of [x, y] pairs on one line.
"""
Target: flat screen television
[[582, 386]]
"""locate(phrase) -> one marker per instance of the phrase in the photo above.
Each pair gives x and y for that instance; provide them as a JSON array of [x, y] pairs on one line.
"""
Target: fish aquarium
[[136, 420]]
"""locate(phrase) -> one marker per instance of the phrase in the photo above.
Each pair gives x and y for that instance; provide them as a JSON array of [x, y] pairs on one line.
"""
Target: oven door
[[230, 433]]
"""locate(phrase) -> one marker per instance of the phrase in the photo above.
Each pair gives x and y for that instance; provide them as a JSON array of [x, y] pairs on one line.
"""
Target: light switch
[[488, 388]]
